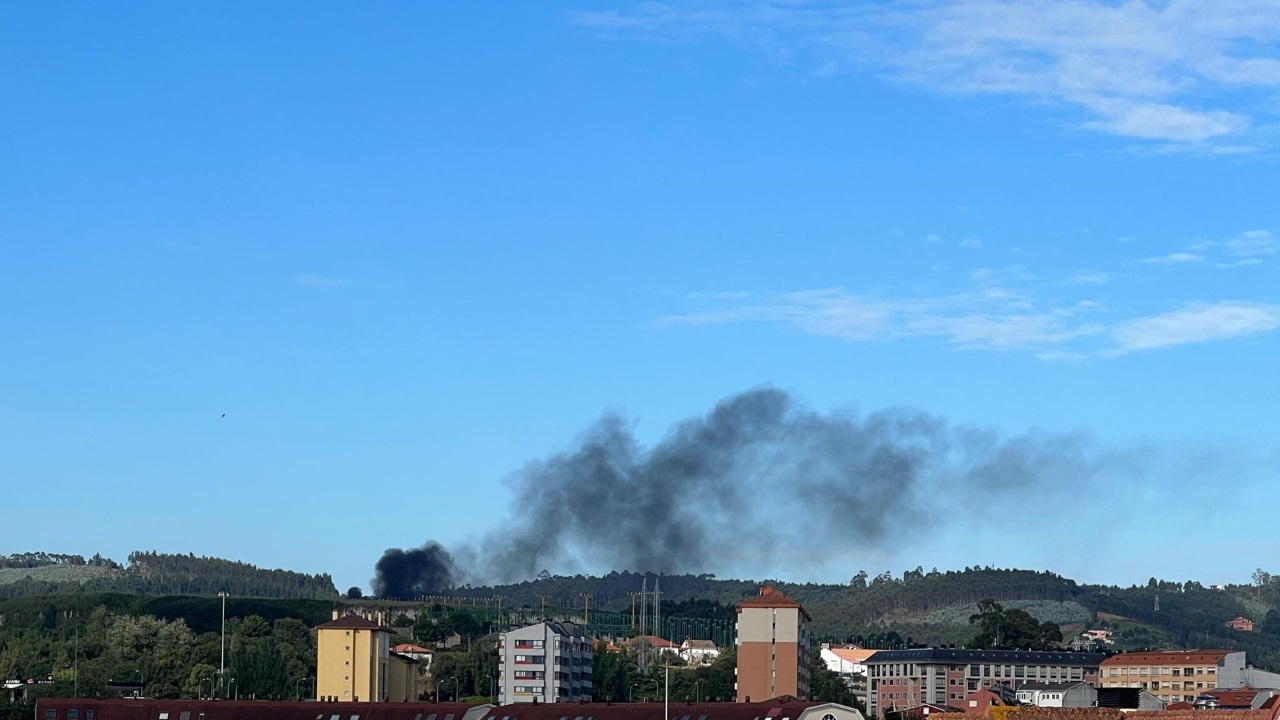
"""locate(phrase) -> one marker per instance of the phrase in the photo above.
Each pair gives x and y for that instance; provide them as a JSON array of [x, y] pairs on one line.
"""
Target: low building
[[1243, 624], [547, 662], [1068, 694], [846, 661], [698, 652], [1242, 698], [1129, 699]]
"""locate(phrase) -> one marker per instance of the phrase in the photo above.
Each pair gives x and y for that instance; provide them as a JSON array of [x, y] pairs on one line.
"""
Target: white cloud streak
[[1196, 324], [1178, 258], [1184, 72]]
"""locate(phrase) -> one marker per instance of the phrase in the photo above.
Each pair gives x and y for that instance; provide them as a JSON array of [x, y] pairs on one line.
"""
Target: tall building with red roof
[[773, 647]]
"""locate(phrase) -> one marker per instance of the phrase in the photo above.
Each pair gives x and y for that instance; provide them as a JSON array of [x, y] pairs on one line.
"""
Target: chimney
[[335, 614]]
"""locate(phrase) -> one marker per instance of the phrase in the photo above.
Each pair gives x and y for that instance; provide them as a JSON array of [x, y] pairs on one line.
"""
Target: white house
[[698, 652], [847, 661]]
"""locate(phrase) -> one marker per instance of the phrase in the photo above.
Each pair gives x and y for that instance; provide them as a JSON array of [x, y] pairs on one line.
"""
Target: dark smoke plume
[[752, 478], [408, 574]]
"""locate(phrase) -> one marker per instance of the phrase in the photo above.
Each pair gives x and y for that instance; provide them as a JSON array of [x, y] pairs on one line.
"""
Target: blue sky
[[407, 247]]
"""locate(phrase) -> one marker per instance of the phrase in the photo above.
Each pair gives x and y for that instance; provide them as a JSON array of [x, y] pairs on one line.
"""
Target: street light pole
[[455, 688], [666, 692], [222, 660]]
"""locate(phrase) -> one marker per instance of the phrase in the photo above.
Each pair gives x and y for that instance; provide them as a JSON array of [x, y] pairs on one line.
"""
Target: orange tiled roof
[[1167, 657]]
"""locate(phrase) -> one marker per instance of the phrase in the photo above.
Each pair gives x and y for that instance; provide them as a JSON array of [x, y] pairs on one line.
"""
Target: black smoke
[[756, 477], [407, 574]]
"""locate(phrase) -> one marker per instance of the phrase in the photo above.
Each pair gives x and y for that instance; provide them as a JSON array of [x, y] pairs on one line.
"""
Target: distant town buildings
[[948, 676], [547, 662], [773, 647]]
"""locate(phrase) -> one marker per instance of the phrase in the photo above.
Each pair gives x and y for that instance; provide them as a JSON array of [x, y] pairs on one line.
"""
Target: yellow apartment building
[[354, 663]]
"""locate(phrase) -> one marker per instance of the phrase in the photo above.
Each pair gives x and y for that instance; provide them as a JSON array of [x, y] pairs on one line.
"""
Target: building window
[[50, 714], [73, 714]]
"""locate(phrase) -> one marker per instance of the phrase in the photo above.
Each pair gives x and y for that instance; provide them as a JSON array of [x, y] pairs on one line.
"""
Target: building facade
[[946, 676], [1068, 694], [352, 661], [773, 647], [1175, 675], [546, 662]]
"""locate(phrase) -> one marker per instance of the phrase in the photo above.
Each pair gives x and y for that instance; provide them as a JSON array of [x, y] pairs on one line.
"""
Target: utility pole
[[666, 692], [222, 660]]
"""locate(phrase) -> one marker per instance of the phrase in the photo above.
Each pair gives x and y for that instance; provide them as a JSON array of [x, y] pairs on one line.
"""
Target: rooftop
[[1169, 657], [772, 597], [1054, 657], [351, 622]]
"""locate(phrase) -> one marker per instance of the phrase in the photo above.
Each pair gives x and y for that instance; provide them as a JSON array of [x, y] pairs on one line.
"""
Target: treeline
[[857, 609], [44, 559], [153, 573], [75, 644]]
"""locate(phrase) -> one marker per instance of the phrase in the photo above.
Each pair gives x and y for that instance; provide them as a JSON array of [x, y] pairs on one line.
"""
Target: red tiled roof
[[150, 709], [652, 640], [1234, 699], [1168, 657], [853, 655], [408, 648], [772, 597], [790, 708]]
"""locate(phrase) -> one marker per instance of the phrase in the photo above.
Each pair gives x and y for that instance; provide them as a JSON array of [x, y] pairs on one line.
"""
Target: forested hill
[[934, 607], [152, 573]]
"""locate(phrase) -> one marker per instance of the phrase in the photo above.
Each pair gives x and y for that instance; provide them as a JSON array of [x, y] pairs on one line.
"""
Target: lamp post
[[296, 685], [455, 688], [697, 690], [493, 685], [222, 658], [666, 692]]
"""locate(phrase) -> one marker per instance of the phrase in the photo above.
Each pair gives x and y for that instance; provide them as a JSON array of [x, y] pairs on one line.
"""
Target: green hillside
[[153, 573]]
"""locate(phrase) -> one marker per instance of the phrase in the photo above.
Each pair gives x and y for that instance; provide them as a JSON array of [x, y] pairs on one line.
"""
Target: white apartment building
[[547, 662]]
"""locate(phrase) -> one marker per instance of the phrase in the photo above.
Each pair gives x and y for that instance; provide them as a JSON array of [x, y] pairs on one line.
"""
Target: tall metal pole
[[666, 692], [222, 661]]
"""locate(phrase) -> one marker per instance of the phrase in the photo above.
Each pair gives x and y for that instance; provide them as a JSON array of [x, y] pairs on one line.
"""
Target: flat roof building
[[946, 676]]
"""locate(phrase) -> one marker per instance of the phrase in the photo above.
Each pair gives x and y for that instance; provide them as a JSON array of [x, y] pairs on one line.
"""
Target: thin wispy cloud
[[1196, 324], [1000, 309], [1087, 277], [1253, 243], [1178, 258], [321, 281], [1177, 72]]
